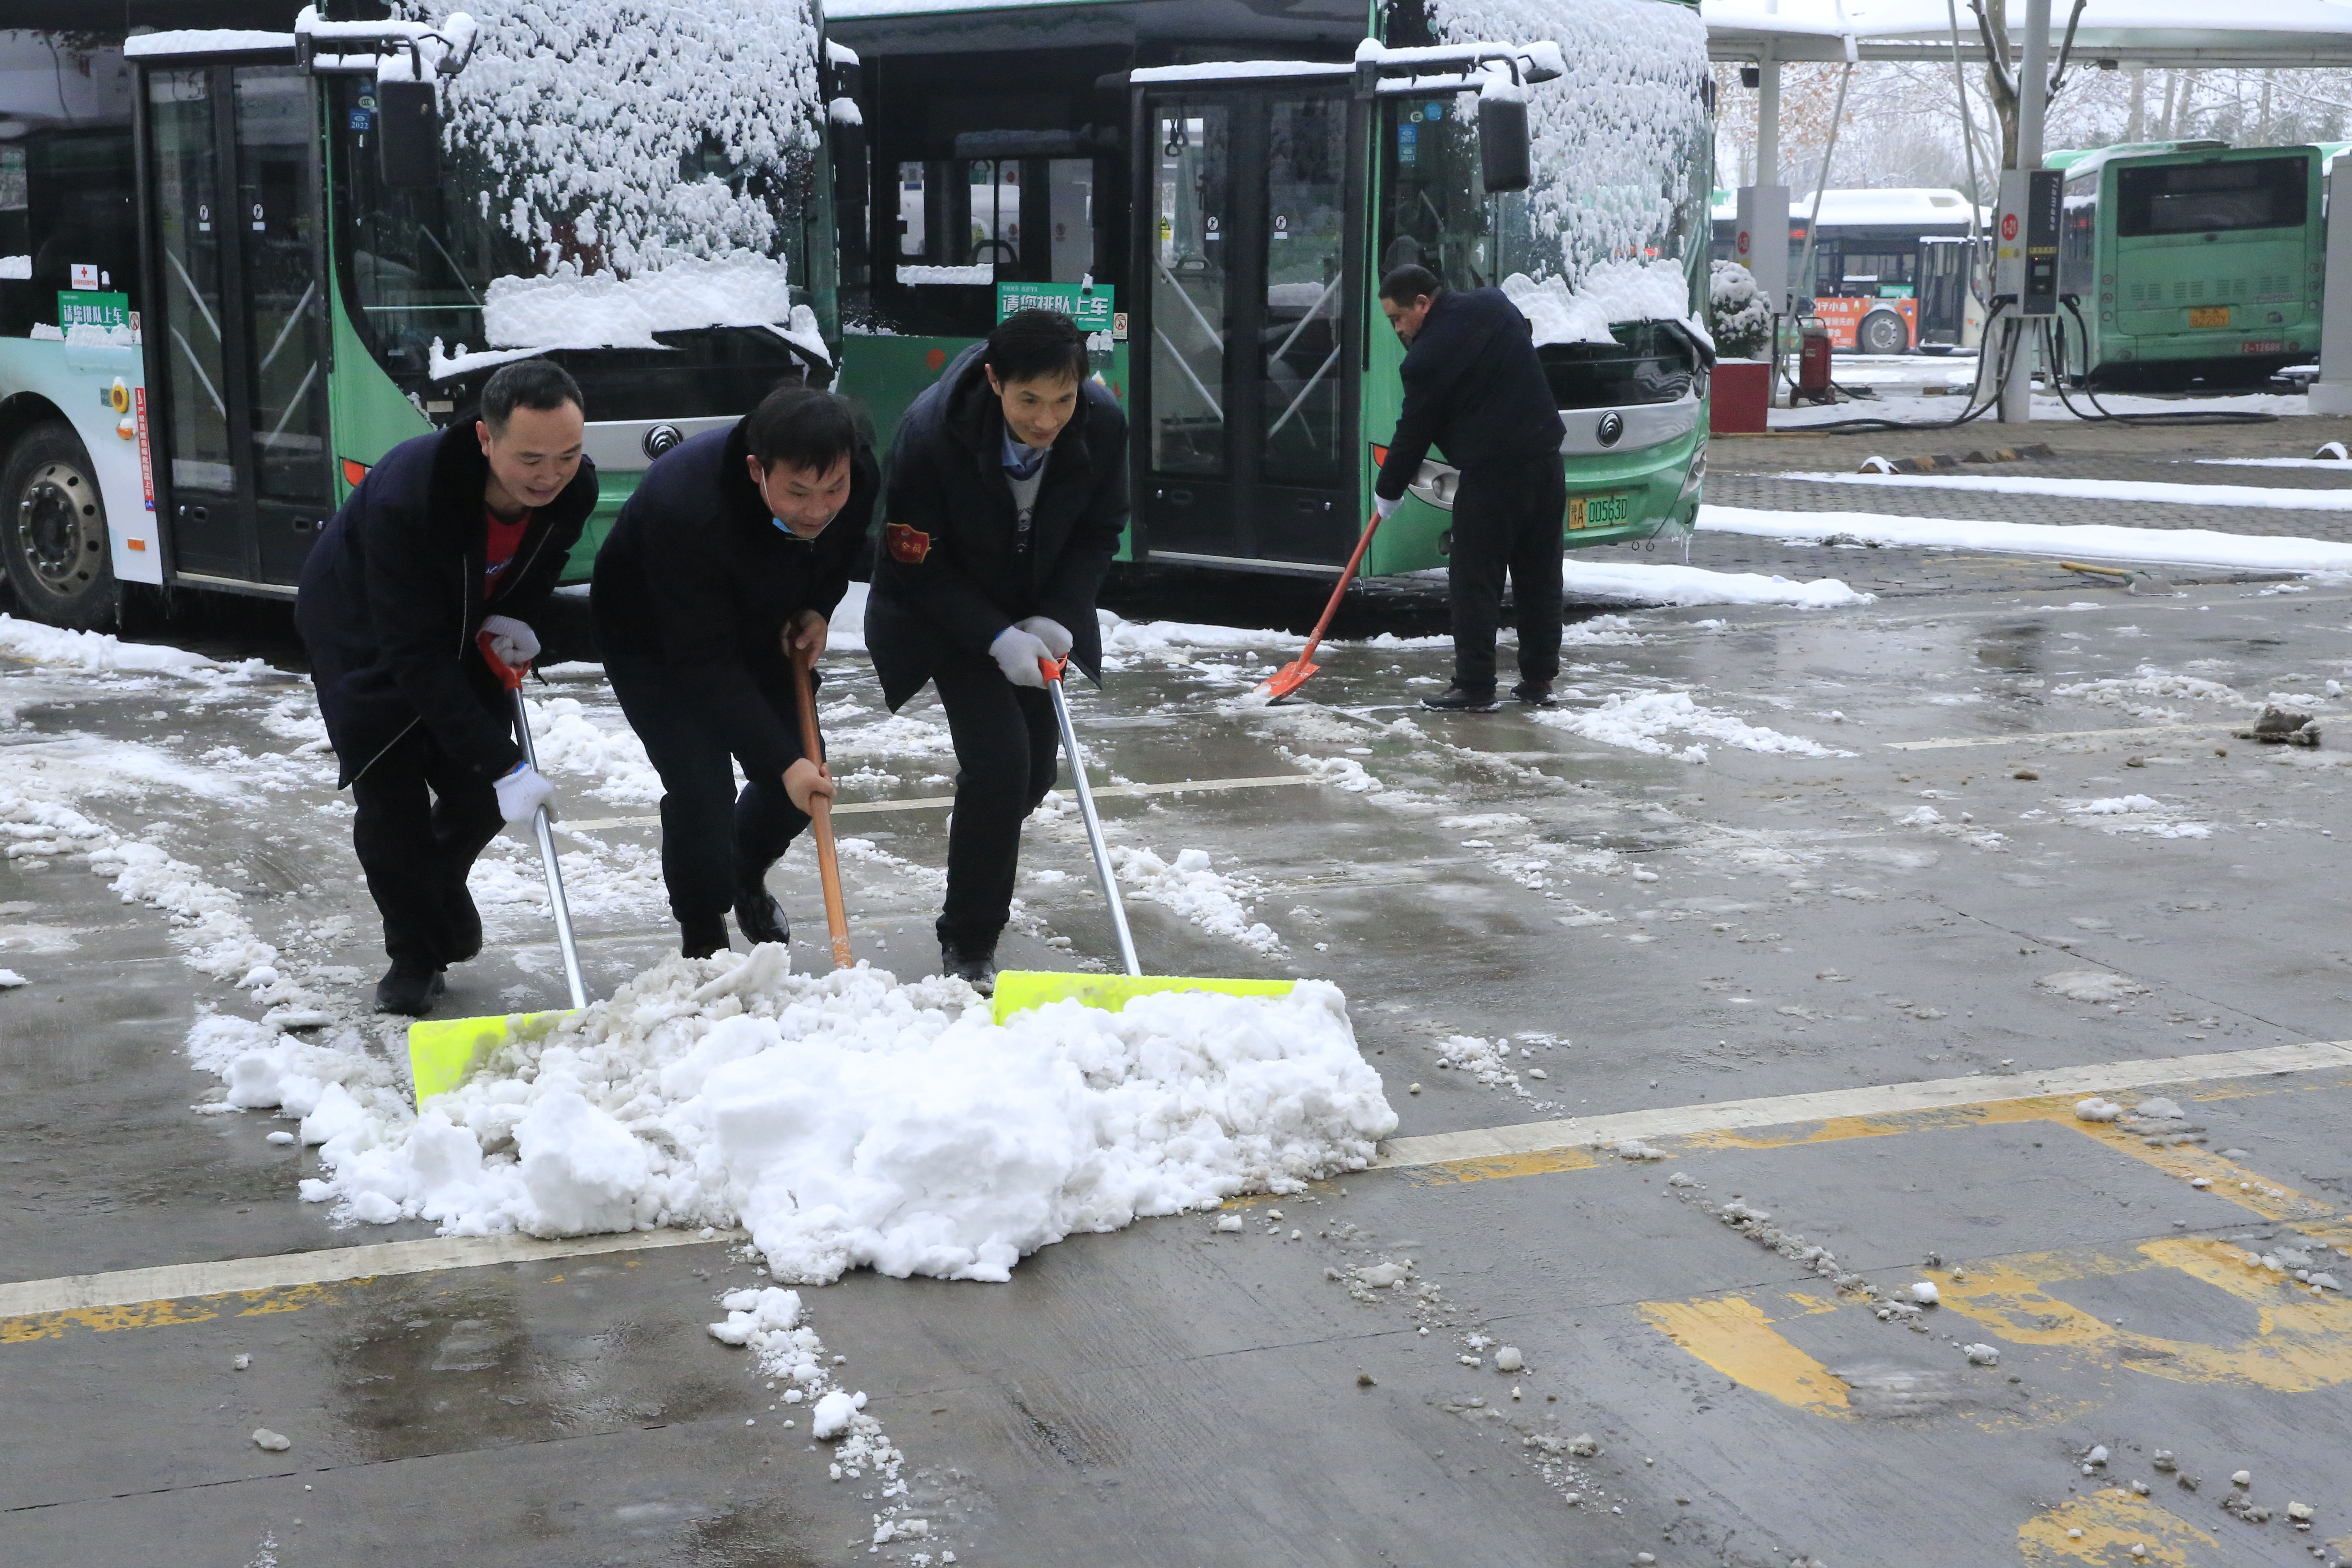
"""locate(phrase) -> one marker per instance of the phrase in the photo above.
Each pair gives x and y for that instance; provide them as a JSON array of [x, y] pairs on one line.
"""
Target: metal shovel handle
[[543, 830], [1053, 671]]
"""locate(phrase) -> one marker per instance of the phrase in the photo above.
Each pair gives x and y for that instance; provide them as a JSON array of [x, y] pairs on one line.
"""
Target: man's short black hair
[[539, 383], [801, 427], [1410, 282], [1036, 345]]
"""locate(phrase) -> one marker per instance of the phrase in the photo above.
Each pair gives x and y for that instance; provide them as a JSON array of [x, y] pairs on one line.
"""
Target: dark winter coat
[[1473, 388], [697, 582], [951, 574], [391, 600]]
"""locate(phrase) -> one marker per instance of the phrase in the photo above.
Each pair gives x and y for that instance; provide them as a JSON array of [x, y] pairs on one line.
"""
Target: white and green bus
[[238, 263]]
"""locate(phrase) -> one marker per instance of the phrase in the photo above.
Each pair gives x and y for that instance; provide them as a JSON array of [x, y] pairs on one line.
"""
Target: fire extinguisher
[[1813, 362]]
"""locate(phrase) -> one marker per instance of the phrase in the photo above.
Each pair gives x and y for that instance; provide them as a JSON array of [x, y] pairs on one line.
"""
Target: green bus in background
[[238, 264], [2190, 263], [1221, 189]]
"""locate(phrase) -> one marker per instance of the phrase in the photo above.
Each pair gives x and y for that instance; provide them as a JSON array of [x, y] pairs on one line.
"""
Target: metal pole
[[546, 838], [1094, 825], [1767, 121], [2033, 102]]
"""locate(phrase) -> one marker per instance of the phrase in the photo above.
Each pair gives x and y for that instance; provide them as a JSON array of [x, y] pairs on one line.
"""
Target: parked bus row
[[240, 264]]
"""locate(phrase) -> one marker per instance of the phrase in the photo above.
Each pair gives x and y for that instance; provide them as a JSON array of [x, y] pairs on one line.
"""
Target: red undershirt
[[505, 539]]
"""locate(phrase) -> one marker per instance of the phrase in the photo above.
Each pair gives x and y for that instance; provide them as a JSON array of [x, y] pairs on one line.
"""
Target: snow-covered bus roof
[[204, 41], [2177, 33], [1906, 206]]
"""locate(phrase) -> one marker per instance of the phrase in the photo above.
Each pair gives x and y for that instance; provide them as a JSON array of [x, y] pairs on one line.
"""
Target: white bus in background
[[1893, 268]]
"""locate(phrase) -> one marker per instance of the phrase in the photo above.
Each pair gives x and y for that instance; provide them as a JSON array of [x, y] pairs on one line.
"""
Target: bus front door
[[234, 218], [1244, 392]]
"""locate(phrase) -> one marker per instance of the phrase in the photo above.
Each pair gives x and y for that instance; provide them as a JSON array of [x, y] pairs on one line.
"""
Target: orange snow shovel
[[443, 1051], [1299, 671], [1018, 989], [828, 861]]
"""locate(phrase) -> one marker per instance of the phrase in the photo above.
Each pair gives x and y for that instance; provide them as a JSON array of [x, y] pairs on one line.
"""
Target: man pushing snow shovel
[[442, 557], [725, 568]]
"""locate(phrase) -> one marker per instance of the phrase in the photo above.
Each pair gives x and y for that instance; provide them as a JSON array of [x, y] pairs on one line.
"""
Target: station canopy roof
[[2176, 33]]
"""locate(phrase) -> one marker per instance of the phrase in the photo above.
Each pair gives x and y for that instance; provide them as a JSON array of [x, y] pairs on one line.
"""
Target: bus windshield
[[2206, 198]]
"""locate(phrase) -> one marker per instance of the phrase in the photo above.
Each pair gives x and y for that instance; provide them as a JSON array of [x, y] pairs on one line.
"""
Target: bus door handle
[[1173, 498], [1308, 503], [194, 513]]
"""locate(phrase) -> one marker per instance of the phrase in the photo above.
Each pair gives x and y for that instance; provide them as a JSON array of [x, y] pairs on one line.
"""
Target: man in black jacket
[[1006, 501], [439, 561], [1473, 388], [733, 552]]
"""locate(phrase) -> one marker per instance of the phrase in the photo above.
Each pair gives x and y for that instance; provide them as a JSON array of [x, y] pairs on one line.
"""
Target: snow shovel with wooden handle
[[1017, 989], [1297, 672], [443, 1051], [828, 860]]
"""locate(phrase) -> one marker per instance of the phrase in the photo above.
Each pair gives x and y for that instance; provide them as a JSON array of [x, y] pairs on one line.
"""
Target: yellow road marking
[[2112, 1522], [1731, 1334], [160, 1314]]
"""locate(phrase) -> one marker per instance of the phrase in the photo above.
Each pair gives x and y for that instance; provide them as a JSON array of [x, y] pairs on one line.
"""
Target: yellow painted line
[[2112, 1521], [1951, 742], [942, 802], [146, 1293], [1526, 1147], [1731, 1334]]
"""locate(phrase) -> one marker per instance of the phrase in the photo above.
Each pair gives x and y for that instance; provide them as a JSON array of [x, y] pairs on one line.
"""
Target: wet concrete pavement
[[1649, 932]]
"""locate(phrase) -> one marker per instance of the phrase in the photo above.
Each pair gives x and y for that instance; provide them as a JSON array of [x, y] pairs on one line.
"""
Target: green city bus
[[232, 276], [1217, 189], [2190, 263]]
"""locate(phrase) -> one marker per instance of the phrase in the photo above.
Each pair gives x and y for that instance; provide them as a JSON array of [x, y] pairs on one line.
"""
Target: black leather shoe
[[409, 989], [1457, 700], [758, 915], [1534, 694], [974, 966], [465, 924], [704, 938]]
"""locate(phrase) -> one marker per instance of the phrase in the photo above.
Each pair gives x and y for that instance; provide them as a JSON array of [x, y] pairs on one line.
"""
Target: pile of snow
[[2097, 1110], [1194, 890], [97, 653], [601, 309], [587, 128], [847, 1120], [2092, 986], [2149, 681], [1670, 584], [2083, 542], [1609, 292], [1640, 722]]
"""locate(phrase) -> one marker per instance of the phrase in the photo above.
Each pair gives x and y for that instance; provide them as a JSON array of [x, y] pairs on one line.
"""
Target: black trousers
[[1007, 746], [704, 844], [1506, 518], [421, 819]]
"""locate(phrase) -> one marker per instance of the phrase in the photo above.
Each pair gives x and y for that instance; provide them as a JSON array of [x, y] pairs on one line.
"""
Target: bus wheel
[[53, 530], [1881, 332]]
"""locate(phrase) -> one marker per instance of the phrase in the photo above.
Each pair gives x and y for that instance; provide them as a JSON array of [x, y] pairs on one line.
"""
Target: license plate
[[1598, 511], [2266, 346], [2209, 315]]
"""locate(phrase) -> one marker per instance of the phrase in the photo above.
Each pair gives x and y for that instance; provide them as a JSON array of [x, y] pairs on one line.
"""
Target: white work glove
[[515, 644], [1052, 633], [1384, 508], [523, 791], [1017, 653]]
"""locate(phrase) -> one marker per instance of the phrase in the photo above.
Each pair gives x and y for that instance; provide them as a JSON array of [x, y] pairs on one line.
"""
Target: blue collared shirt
[[1021, 459]]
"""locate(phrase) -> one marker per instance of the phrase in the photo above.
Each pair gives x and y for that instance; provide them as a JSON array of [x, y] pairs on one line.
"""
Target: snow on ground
[[2084, 542], [1194, 890], [847, 1120], [96, 652], [1642, 721], [2337, 464], [1670, 584], [2147, 493], [2148, 681], [2047, 409]]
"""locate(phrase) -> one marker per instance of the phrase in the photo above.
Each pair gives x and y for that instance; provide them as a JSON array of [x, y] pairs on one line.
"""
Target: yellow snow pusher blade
[[442, 1052], [1020, 989]]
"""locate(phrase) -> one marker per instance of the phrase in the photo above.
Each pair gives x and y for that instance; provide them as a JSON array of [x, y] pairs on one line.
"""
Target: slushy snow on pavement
[[2084, 542]]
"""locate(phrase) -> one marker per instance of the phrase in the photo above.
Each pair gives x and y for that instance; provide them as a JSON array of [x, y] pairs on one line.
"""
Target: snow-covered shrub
[[1741, 316]]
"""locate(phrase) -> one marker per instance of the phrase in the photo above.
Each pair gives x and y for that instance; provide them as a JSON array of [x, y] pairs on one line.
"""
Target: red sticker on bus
[[353, 472], [905, 544]]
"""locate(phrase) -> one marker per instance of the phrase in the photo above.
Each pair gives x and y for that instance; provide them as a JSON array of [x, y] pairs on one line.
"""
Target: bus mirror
[[1503, 162], [409, 134]]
